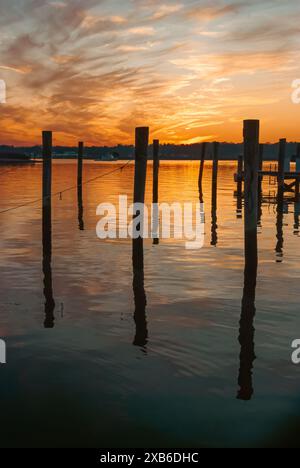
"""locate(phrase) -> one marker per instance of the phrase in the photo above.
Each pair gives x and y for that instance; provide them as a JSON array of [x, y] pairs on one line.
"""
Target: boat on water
[[8, 157], [108, 157]]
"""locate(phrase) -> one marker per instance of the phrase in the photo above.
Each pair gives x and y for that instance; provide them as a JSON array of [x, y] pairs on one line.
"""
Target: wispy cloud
[[191, 70]]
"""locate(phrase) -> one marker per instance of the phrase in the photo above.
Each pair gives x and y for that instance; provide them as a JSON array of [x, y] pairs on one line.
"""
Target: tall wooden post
[[79, 185], [251, 156], [155, 227], [47, 167], [281, 162], [155, 170], [141, 156], [201, 171], [47, 230], [214, 226]]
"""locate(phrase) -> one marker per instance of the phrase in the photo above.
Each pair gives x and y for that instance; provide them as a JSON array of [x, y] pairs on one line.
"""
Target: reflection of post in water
[[155, 226], [201, 171], [246, 332], [47, 230], [141, 155], [279, 224], [140, 300], [214, 226], [79, 186]]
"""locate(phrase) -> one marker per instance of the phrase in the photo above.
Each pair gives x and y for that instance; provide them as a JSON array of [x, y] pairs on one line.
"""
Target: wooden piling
[[201, 171], [141, 156], [155, 170], [216, 147], [47, 167], [281, 161], [251, 157]]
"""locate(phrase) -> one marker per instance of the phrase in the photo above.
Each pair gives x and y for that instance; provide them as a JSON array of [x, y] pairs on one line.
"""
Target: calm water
[[100, 378]]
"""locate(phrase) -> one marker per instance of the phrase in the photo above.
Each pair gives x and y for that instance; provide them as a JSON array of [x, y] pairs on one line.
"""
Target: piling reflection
[[247, 330], [47, 269], [140, 300], [80, 209], [279, 225]]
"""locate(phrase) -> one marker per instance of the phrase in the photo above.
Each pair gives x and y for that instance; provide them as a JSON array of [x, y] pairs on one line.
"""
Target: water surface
[[92, 370]]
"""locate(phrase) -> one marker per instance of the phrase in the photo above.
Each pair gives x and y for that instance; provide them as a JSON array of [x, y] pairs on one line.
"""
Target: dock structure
[[286, 178]]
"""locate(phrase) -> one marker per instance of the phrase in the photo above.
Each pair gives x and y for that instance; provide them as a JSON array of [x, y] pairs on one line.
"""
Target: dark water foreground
[[89, 365]]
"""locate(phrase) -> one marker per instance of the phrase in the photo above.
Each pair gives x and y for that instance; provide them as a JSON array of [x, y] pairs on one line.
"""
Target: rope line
[[60, 192]]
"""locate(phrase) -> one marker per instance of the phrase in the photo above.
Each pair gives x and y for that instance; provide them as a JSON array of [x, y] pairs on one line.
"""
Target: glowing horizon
[[192, 71]]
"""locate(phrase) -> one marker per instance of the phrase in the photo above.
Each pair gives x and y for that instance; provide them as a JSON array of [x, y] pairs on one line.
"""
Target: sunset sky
[[191, 70]]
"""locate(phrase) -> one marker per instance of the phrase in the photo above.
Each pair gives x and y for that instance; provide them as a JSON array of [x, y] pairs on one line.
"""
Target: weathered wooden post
[[141, 155], [79, 185], [281, 162], [47, 168], [251, 157], [201, 171], [155, 170], [214, 226], [155, 227], [47, 230]]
